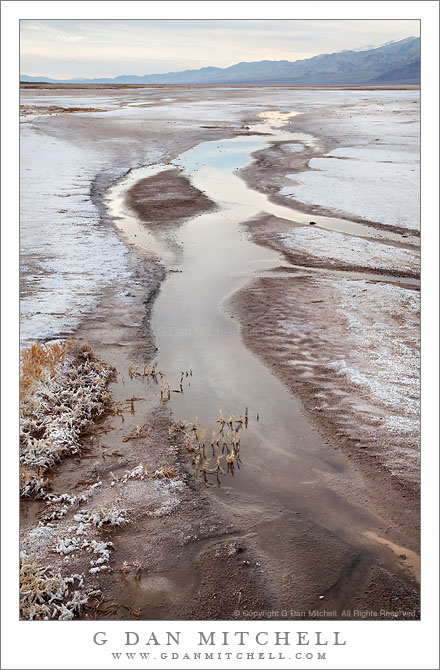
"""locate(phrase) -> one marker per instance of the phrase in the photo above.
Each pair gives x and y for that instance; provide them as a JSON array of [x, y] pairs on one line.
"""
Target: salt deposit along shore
[[177, 244]]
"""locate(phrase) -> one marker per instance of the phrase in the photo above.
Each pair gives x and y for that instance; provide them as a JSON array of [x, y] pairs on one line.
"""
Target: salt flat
[[310, 330]]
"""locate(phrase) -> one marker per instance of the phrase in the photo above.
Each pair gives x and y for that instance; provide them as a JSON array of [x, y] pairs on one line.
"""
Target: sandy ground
[[353, 385], [166, 200], [317, 248], [181, 554]]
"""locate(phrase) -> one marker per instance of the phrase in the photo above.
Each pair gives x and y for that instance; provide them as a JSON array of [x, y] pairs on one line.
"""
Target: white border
[[369, 644]]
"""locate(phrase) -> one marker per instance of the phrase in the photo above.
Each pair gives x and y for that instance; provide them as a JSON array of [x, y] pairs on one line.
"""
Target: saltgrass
[[63, 392], [224, 444], [41, 358], [44, 595]]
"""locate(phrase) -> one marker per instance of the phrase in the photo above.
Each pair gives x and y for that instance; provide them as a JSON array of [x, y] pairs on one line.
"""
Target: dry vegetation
[[41, 358], [207, 454], [44, 595], [63, 390]]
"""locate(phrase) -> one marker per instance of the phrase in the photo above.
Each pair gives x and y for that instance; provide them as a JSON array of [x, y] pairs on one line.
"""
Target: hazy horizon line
[[280, 60]]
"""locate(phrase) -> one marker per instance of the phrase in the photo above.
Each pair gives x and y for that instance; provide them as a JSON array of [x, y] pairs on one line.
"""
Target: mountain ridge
[[396, 62]]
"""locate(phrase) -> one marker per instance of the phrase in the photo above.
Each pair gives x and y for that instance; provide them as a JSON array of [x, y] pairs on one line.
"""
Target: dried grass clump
[[102, 550], [163, 473], [139, 472], [41, 358], [207, 454], [136, 433], [177, 427], [63, 392], [107, 519], [44, 595], [152, 371], [33, 482], [79, 542]]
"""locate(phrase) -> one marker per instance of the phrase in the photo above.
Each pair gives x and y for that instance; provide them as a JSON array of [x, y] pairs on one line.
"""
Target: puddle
[[144, 103], [211, 167], [155, 594]]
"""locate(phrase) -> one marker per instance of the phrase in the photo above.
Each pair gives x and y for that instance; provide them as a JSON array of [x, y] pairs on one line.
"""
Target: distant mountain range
[[392, 63]]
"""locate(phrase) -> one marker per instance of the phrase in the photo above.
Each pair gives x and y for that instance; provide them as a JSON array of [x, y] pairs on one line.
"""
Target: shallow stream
[[288, 475]]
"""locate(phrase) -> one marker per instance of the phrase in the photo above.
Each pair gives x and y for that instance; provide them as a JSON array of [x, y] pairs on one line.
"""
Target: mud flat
[[200, 541], [374, 359]]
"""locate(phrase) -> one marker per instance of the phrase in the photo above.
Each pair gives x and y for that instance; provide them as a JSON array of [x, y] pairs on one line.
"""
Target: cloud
[[69, 38], [106, 48]]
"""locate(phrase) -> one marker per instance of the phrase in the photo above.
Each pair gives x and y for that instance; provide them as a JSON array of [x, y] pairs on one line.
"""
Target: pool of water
[[212, 168]]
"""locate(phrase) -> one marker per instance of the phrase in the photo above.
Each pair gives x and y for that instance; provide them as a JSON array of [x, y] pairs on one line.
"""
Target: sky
[[65, 49]]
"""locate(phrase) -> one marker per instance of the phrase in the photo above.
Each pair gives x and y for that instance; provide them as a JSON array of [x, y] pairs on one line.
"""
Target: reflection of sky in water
[[138, 104], [213, 165], [60, 279], [223, 155]]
